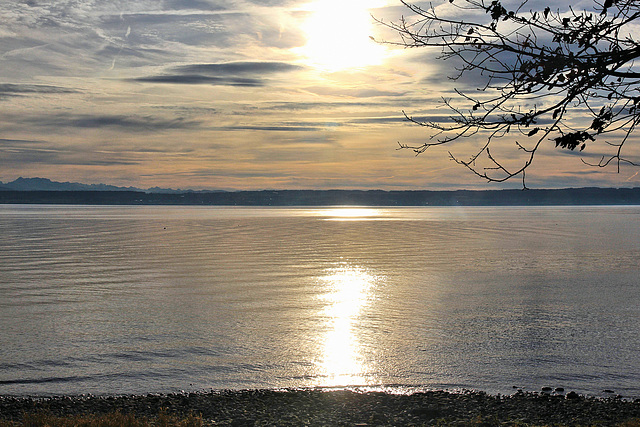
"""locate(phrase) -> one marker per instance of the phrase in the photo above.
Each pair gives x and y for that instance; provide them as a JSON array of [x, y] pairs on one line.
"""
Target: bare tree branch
[[543, 70]]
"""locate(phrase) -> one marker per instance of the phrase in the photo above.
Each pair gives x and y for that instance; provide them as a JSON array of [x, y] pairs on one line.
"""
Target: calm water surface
[[112, 300]]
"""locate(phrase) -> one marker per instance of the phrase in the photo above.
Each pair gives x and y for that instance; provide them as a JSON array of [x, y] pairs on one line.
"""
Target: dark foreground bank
[[342, 407]]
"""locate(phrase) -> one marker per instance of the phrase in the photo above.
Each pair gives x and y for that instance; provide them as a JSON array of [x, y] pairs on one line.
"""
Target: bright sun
[[338, 35]]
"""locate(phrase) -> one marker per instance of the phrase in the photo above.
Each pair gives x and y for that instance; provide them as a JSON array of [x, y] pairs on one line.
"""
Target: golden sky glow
[[243, 94]]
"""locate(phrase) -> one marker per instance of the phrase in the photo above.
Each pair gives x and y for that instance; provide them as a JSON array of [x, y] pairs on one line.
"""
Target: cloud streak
[[10, 89], [196, 79], [128, 123], [221, 74], [240, 67]]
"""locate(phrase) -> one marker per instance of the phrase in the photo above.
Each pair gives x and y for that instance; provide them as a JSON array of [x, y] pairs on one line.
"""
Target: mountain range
[[44, 184]]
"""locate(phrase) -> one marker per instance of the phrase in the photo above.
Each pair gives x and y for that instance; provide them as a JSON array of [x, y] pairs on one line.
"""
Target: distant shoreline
[[548, 197], [342, 407]]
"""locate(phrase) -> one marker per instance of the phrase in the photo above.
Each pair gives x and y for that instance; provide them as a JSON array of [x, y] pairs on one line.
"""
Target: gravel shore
[[317, 407]]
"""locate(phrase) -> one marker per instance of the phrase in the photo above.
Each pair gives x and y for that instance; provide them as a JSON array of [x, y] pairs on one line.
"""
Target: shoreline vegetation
[[321, 407]]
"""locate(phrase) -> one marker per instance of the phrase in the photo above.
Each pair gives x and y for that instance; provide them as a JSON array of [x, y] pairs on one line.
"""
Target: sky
[[234, 95]]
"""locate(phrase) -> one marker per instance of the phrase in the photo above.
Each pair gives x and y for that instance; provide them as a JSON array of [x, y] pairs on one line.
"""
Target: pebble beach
[[319, 407]]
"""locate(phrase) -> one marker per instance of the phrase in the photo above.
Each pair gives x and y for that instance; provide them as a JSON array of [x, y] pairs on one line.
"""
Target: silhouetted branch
[[567, 76]]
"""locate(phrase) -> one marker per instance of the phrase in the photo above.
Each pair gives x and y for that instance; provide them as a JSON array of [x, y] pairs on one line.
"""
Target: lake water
[[119, 300]]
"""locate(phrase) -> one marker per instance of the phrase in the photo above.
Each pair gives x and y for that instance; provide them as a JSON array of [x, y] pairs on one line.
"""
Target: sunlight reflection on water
[[350, 214], [350, 291]]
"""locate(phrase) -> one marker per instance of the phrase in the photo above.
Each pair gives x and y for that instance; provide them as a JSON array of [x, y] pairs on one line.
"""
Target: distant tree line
[[581, 196]]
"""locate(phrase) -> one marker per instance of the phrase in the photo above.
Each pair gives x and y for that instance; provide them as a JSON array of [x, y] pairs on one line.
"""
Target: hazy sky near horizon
[[240, 94]]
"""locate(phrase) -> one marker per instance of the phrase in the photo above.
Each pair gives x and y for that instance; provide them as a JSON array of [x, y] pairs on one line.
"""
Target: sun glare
[[341, 361], [346, 214], [339, 35]]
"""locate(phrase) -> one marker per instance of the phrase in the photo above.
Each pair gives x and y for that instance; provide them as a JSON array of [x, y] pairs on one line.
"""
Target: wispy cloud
[[28, 152], [10, 89], [129, 123], [275, 128], [196, 79]]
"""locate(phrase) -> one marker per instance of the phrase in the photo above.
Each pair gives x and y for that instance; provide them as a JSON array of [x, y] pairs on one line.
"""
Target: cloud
[[15, 151], [62, 158], [4, 142], [179, 31], [129, 123], [276, 128], [191, 5], [301, 106], [369, 92], [320, 125], [309, 140], [221, 74], [138, 52], [195, 79], [277, 2], [160, 17], [379, 120], [189, 109], [10, 89], [240, 67]]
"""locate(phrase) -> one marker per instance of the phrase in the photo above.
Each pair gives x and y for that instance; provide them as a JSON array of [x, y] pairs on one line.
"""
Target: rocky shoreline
[[319, 407]]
